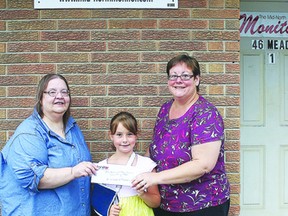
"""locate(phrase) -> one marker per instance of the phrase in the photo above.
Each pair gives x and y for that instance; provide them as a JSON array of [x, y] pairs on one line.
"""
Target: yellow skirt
[[134, 206]]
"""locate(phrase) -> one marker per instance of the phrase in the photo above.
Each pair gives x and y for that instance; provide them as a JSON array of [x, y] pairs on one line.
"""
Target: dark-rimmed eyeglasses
[[182, 77], [53, 93]]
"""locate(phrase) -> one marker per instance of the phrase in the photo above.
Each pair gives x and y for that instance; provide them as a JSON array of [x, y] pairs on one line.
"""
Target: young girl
[[123, 133]]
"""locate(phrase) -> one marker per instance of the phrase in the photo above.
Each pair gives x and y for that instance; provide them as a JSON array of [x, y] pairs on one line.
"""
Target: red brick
[[232, 3], [223, 79], [65, 14], [132, 24], [2, 47], [192, 4], [95, 135], [83, 123], [183, 24], [110, 14], [78, 79], [233, 90], [235, 188], [215, 90], [2, 4], [132, 46], [158, 56], [18, 14], [20, 4], [64, 57], [115, 102], [178, 45], [224, 101], [18, 58], [80, 101], [32, 25], [233, 167], [18, 36], [2, 91], [216, 4], [31, 69], [116, 35], [19, 113], [154, 101], [115, 57], [21, 91], [232, 157], [132, 90], [9, 124], [208, 14], [148, 123], [81, 46], [232, 46], [137, 112], [81, 24], [160, 79], [99, 124], [87, 90], [232, 24], [232, 134], [233, 68], [217, 57], [115, 79], [180, 13], [232, 145], [32, 47], [88, 112], [215, 35], [18, 80], [85, 68], [16, 102], [216, 24], [65, 35], [233, 112], [2, 25], [215, 46], [160, 35], [132, 68], [232, 123]]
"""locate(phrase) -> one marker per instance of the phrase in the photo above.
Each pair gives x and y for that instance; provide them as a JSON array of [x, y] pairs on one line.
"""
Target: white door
[[264, 125], [264, 132]]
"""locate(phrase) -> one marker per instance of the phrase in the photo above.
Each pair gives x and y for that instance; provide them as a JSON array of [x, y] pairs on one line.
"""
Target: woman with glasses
[[46, 164], [188, 147]]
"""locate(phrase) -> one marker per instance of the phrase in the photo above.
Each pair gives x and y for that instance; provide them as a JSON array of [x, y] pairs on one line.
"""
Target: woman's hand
[[84, 168], [143, 181], [56, 177], [147, 189]]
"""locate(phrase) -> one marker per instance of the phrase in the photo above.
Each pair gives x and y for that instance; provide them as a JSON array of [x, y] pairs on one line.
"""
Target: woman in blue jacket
[[46, 164]]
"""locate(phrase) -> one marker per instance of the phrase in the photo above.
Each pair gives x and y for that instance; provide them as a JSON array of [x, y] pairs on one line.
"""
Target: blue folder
[[102, 199]]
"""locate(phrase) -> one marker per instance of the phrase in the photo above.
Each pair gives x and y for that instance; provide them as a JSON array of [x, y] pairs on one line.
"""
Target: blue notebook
[[102, 198]]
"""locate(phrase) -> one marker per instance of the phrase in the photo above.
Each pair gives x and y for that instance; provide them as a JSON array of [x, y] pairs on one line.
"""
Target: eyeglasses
[[182, 77], [53, 92]]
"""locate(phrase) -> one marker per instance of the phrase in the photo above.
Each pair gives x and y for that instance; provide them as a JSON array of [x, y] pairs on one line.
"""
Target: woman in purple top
[[188, 147]]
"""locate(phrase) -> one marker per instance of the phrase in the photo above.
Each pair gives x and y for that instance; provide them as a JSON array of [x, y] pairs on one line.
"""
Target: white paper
[[115, 174]]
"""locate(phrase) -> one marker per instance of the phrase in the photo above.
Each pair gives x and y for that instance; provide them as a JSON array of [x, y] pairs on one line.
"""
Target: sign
[[269, 44], [263, 24], [115, 174], [127, 4], [271, 58]]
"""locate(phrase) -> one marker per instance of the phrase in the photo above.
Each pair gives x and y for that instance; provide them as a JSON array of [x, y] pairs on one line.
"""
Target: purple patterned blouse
[[171, 146]]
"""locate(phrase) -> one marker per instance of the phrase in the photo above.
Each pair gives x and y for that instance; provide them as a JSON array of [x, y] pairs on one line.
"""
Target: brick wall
[[115, 60]]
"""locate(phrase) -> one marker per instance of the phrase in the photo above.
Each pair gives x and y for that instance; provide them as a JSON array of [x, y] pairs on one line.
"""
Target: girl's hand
[[114, 210]]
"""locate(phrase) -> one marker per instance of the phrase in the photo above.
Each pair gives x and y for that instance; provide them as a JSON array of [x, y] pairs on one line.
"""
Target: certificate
[[115, 174]]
